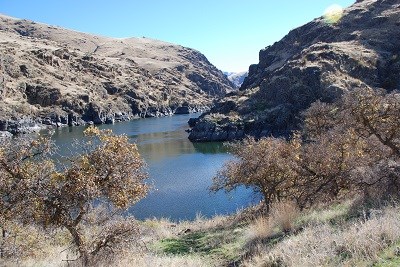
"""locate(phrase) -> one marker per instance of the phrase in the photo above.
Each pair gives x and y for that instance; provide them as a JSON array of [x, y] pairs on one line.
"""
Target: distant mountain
[[58, 76], [319, 60], [236, 78]]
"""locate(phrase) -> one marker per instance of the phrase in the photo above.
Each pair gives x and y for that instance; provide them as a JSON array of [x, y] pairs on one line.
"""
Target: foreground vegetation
[[88, 189], [330, 194], [345, 233]]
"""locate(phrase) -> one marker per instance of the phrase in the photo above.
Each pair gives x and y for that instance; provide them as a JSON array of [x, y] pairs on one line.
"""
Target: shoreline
[[26, 124]]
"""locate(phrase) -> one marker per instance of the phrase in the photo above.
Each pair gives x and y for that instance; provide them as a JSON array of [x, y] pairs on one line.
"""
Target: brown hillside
[[59, 76]]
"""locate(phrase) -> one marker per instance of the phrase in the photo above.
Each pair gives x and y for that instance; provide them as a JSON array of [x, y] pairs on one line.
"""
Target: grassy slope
[[342, 234]]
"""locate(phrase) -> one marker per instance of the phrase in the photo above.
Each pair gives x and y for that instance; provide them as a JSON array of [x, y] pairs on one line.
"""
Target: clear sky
[[230, 33]]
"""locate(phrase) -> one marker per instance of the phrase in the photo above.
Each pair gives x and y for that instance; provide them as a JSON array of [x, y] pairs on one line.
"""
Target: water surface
[[180, 171]]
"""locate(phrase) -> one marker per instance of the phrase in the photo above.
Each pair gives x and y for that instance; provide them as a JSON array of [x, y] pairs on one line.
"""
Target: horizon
[[229, 43]]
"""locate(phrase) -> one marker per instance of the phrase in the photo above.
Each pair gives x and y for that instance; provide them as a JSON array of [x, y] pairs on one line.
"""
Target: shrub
[[110, 170], [259, 229], [267, 166], [348, 146]]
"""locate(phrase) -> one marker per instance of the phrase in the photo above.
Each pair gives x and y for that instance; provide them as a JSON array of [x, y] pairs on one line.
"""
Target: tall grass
[[283, 215], [329, 245]]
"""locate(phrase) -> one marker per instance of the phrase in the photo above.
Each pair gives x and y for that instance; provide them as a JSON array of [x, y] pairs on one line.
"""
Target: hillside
[[236, 78], [317, 61], [54, 76]]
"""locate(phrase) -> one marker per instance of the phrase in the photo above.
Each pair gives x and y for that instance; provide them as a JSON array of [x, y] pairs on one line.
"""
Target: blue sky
[[229, 33]]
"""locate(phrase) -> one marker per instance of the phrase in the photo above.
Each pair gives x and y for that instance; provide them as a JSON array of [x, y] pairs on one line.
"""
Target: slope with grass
[[66, 77], [343, 233]]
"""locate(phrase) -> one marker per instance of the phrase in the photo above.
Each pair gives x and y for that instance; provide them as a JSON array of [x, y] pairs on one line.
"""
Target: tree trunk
[[267, 200], [77, 239], [3, 237]]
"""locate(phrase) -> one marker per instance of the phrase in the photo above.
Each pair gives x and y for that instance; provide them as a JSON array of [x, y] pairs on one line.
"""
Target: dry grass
[[263, 230], [260, 229], [284, 214], [24, 243], [202, 223], [126, 259], [150, 260], [330, 212], [282, 218], [160, 228], [55, 256], [327, 245], [165, 228], [318, 237], [36, 247]]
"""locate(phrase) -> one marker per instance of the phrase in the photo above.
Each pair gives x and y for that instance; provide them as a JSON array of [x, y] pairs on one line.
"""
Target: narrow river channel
[[180, 171]]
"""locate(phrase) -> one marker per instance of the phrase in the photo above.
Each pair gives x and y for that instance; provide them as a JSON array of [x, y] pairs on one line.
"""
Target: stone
[[183, 110], [110, 120], [3, 125], [192, 122]]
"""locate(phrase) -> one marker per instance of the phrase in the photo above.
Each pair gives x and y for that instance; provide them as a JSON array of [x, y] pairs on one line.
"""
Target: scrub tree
[[33, 189], [352, 145]]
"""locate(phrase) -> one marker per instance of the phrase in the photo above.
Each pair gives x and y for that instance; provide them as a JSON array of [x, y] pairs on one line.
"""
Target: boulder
[[183, 110]]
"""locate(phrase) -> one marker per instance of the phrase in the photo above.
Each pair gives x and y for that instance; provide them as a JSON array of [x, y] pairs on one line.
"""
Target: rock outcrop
[[55, 76], [318, 61]]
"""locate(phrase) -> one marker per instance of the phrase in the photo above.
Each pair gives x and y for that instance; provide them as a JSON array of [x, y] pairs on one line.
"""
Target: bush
[[353, 145], [33, 190]]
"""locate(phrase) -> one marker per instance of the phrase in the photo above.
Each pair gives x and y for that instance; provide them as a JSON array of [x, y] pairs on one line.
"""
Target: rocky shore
[[27, 124]]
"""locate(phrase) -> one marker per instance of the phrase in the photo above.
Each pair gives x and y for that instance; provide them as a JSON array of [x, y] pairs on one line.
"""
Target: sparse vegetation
[[329, 235]]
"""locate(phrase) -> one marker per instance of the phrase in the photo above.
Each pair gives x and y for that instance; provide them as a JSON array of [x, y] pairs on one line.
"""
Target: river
[[180, 171]]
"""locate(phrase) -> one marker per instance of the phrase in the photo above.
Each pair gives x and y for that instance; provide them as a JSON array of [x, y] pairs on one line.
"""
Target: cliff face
[[57, 76], [319, 60]]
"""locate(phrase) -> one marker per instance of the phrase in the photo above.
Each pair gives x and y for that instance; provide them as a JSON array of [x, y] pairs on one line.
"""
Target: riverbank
[[31, 124], [350, 232]]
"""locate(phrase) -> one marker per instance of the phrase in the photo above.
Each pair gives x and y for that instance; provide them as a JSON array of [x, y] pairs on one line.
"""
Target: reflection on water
[[210, 148], [180, 170]]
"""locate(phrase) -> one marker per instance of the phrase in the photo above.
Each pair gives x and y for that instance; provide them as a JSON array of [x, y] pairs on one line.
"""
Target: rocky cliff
[[319, 60], [59, 77]]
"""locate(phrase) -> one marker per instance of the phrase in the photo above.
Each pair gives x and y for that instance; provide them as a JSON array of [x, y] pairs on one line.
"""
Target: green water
[[180, 171]]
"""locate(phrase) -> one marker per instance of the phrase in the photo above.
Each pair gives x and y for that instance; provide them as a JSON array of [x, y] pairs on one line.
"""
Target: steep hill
[[58, 76], [319, 60]]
